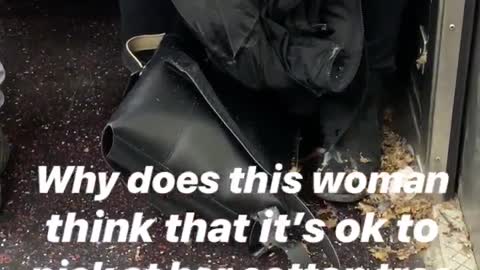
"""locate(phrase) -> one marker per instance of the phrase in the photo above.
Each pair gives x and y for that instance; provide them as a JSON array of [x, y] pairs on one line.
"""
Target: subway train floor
[[64, 80]]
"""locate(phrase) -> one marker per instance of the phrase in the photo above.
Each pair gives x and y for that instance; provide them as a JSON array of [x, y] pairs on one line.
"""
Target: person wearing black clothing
[[348, 123]]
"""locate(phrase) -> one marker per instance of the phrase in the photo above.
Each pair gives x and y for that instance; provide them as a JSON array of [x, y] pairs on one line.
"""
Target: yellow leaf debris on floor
[[329, 216], [396, 158]]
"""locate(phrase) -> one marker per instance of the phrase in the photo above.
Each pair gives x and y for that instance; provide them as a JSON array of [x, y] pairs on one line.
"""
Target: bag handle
[[138, 44], [296, 251]]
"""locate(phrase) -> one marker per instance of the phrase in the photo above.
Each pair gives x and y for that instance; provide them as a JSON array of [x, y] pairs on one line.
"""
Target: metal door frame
[[468, 167], [445, 64]]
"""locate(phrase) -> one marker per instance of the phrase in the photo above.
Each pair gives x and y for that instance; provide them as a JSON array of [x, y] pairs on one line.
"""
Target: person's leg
[[358, 148], [146, 17], [383, 20]]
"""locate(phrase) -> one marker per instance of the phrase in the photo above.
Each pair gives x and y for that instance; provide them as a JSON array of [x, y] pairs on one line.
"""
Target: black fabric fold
[[280, 45]]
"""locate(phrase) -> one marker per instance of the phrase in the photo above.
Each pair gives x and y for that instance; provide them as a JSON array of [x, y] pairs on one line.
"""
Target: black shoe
[[358, 148]]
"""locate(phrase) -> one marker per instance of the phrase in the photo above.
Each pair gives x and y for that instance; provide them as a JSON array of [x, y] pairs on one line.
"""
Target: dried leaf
[[366, 208], [404, 253], [403, 209], [381, 254], [396, 154], [388, 215], [421, 246], [364, 160], [138, 255], [329, 216], [331, 223]]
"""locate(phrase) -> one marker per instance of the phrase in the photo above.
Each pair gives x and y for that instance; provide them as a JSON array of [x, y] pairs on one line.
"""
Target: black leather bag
[[172, 119]]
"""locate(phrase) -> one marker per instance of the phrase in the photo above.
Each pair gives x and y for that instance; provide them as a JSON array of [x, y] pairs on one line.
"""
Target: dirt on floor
[[64, 80]]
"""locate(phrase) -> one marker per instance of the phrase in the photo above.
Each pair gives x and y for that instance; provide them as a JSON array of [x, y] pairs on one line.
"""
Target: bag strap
[[136, 45], [296, 251]]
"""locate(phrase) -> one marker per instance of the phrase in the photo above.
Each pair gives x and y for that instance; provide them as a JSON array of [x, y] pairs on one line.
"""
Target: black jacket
[[285, 45]]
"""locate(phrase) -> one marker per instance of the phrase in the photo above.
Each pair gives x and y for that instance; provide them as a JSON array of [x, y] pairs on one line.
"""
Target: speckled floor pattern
[[64, 79]]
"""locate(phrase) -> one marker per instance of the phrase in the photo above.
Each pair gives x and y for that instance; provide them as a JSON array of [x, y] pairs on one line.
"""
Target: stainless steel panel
[[444, 81], [469, 191], [431, 95], [413, 108]]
